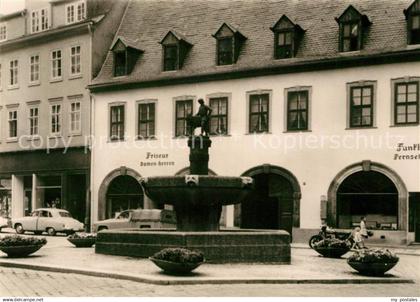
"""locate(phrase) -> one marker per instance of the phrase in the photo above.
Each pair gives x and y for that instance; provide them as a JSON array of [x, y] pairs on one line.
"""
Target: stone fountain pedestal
[[197, 199]]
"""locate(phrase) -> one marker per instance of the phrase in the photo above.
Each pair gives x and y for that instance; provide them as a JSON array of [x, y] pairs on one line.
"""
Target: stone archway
[[186, 170], [366, 166], [287, 177], [122, 171]]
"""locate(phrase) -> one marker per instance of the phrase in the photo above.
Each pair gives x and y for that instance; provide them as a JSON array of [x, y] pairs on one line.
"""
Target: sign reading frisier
[[156, 159], [407, 152]]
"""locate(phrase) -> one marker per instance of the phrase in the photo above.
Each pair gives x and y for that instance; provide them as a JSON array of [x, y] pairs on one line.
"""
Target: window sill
[[13, 87], [12, 140], [413, 46], [258, 133], [56, 80], [116, 140], [405, 125], [349, 53], [34, 84], [220, 135], [75, 134], [170, 71], [297, 131], [54, 136], [361, 128], [120, 76], [33, 138], [75, 76], [151, 138]]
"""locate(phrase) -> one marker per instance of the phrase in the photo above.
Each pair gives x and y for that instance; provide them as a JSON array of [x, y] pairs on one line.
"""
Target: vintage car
[[50, 220], [4, 222], [138, 218]]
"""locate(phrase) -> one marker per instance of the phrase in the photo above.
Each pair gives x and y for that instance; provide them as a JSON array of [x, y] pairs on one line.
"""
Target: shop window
[[361, 106], [182, 111], [219, 116], [125, 56], [370, 194], [287, 36], [229, 42], [406, 104], [352, 26], [146, 120], [5, 197], [412, 15], [175, 49], [49, 191], [258, 113], [117, 122], [297, 110]]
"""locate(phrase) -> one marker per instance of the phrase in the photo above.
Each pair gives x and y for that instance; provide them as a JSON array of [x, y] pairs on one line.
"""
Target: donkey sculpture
[[194, 121]]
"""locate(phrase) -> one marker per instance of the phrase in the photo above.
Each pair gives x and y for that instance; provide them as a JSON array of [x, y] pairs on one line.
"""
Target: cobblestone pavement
[[28, 283]]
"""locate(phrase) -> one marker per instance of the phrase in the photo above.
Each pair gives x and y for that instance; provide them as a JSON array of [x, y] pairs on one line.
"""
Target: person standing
[[204, 113], [363, 229]]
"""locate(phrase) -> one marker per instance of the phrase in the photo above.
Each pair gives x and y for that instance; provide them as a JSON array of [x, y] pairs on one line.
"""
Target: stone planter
[[332, 252], [175, 268], [372, 268], [82, 242], [20, 251]]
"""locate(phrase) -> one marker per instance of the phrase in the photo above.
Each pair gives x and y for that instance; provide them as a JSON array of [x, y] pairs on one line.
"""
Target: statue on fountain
[[201, 119]]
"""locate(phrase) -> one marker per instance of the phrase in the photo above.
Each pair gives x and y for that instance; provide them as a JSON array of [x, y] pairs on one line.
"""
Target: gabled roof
[[415, 5], [352, 11], [148, 20], [177, 35], [127, 43], [286, 19], [231, 27]]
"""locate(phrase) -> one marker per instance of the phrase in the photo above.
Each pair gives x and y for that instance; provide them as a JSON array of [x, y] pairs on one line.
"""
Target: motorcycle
[[328, 233]]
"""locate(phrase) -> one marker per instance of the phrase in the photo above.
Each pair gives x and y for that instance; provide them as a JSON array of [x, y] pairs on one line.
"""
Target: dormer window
[[175, 48], [125, 57], [412, 15], [287, 36], [228, 45], [352, 26]]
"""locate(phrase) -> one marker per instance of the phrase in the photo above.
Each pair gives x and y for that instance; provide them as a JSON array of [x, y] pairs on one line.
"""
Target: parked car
[[50, 220], [4, 222], [139, 218]]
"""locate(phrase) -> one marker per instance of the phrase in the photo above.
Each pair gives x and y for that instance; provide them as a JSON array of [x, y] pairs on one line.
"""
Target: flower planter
[[20, 251], [175, 268], [332, 252], [372, 268], [82, 242]]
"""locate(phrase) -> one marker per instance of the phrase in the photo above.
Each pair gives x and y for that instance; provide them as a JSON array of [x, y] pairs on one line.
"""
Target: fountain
[[197, 199]]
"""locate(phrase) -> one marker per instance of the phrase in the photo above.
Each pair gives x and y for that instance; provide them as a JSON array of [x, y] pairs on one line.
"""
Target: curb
[[373, 246], [193, 281]]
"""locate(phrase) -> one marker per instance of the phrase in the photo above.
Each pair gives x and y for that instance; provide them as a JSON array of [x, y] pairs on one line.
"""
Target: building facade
[[49, 52], [318, 101]]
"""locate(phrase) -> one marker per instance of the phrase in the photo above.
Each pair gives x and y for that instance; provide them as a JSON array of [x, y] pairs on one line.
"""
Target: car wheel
[[38, 232], [102, 228], [19, 229], [51, 231]]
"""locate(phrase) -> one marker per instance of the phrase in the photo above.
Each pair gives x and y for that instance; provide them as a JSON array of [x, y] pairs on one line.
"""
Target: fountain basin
[[225, 246], [197, 199]]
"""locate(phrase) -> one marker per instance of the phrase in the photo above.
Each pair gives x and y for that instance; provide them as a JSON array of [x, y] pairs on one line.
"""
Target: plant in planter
[[82, 239], [332, 247], [373, 262], [177, 260], [19, 246]]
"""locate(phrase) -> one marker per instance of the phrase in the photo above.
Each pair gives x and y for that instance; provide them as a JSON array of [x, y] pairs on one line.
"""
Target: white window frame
[[78, 10], [3, 32], [75, 56], [14, 73], [55, 119], [309, 107], [34, 69], [32, 118], [146, 101], [75, 113], [40, 20], [270, 110], [12, 116], [54, 67], [359, 84]]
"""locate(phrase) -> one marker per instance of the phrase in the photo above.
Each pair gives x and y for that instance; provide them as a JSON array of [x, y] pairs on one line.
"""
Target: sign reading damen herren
[[407, 152], [153, 160]]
